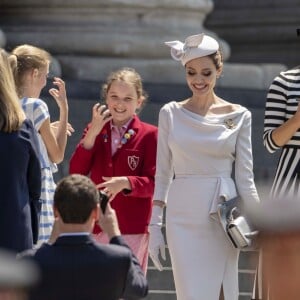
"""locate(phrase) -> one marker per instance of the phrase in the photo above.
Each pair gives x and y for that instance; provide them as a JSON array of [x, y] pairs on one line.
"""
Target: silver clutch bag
[[236, 227]]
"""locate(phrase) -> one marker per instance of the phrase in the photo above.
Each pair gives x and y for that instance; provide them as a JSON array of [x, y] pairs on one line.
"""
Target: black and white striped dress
[[282, 102]]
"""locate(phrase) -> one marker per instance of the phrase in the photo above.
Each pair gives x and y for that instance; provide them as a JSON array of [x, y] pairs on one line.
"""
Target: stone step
[[258, 31]]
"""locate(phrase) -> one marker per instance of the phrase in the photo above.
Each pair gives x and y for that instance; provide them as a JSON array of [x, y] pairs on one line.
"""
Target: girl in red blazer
[[118, 151]]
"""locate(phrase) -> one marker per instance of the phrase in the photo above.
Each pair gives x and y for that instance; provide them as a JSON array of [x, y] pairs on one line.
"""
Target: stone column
[[92, 37]]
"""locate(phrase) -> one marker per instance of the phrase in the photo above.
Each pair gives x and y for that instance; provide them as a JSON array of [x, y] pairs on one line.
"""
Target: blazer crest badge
[[133, 162]]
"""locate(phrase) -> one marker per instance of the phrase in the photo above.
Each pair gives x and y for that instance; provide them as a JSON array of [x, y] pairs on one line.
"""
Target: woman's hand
[[282, 134]]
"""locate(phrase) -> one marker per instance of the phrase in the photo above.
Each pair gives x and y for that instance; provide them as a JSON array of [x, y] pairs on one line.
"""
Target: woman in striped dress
[[281, 130], [31, 68]]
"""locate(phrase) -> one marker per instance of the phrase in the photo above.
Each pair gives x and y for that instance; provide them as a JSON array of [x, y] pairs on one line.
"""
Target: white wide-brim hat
[[195, 46]]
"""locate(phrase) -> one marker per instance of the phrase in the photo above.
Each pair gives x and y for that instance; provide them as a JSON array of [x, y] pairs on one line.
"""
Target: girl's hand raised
[[59, 93]]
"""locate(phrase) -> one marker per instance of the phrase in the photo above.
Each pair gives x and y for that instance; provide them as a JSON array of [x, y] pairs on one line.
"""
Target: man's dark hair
[[298, 31], [75, 197]]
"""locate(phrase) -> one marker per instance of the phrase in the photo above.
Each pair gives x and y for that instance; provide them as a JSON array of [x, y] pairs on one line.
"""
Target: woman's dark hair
[[217, 59]]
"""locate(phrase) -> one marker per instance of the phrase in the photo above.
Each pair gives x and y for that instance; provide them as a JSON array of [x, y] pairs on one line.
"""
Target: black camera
[[103, 200]]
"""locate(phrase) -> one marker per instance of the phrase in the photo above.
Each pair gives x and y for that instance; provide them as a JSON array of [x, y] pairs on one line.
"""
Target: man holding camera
[[74, 266]]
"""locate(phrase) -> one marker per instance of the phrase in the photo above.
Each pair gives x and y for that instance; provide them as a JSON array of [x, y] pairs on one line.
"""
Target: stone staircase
[[258, 31]]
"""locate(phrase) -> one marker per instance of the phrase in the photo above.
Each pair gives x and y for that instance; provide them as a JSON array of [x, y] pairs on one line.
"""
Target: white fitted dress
[[194, 165]]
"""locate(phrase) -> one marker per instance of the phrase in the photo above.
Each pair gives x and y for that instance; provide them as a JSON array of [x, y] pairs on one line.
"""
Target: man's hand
[[109, 222]]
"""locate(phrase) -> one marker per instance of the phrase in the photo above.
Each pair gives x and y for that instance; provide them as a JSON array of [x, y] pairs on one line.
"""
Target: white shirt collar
[[74, 233]]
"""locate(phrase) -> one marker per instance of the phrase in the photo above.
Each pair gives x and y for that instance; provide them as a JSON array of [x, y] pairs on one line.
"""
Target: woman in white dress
[[199, 139]]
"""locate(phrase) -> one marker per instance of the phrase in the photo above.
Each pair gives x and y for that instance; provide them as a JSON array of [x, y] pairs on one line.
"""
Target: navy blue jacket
[[77, 268], [20, 188]]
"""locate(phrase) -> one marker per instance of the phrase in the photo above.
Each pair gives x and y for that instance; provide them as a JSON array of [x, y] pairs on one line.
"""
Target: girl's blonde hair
[[127, 75], [11, 112], [27, 58]]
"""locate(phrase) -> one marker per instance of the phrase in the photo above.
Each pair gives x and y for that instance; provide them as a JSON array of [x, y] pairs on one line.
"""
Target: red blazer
[[136, 159]]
